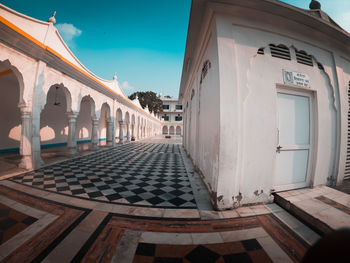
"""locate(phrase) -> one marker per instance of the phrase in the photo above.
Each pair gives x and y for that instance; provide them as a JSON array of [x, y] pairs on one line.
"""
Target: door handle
[[279, 147]]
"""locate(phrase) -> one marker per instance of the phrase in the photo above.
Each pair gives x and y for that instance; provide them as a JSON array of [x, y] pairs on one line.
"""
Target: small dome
[[52, 19], [314, 5]]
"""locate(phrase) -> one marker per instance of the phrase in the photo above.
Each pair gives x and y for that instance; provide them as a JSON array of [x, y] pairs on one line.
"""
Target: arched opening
[[10, 117], [84, 121], [178, 130], [127, 126], [171, 130], [54, 120], [138, 127], [165, 129], [102, 124], [119, 118], [133, 135]]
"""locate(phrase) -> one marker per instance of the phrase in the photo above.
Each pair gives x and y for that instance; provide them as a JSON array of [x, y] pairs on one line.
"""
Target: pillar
[[110, 132], [72, 124], [128, 132], [26, 139], [121, 135], [94, 134], [133, 131]]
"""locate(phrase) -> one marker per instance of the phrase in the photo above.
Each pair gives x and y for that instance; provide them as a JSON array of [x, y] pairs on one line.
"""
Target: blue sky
[[143, 41]]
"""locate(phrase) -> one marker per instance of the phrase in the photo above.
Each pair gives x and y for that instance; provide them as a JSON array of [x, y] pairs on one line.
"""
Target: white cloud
[[68, 31], [126, 86]]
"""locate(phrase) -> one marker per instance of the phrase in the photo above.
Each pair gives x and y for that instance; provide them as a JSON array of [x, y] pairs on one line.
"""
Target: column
[[109, 132], [121, 135], [26, 139], [94, 134], [128, 132], [72, 124], [133, 131]]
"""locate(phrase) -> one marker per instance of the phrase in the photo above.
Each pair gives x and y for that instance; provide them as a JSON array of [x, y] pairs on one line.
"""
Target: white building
[[265, 92], [49, 98], [172, 116]]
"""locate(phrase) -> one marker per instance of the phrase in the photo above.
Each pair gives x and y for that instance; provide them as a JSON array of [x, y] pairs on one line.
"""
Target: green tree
[[150, 99]]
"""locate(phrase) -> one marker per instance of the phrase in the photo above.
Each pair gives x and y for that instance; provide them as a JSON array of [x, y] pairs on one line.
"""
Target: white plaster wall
[[343, 70], [204, 139], [236, 133], [247, 164]]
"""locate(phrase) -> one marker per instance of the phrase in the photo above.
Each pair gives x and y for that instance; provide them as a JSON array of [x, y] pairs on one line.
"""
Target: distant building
[[172, 116], [265, 88]]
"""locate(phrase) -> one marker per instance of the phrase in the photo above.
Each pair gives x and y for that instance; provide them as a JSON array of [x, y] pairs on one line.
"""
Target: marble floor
[[42, 218]]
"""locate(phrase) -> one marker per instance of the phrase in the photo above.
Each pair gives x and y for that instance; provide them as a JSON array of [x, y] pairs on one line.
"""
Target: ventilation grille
[[304, 58], [261, 51], [280, 51], [347, 163]]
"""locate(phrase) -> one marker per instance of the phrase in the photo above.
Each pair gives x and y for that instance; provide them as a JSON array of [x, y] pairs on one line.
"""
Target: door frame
[[312, 95]]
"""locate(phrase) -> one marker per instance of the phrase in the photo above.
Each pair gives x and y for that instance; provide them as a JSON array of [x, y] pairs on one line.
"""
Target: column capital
[[25, 109], [72, 115]]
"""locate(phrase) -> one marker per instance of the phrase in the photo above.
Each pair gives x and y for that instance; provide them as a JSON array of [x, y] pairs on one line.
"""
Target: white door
[[294, 141]]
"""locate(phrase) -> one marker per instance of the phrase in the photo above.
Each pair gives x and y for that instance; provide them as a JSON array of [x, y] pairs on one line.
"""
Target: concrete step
[[322, 208]]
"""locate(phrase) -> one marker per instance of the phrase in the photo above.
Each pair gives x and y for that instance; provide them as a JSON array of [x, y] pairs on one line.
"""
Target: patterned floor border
[[118, 235], [114, 227], [44, 241]]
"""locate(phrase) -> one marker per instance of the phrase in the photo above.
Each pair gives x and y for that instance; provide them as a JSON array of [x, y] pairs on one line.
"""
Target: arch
[[178, 130], [119, 117], [119, 114], [165, 129], [88, 100], [133, 119], [84, 119], [105, 114], [11, 85], [172, 130], [6, 65], [127, 117], [53, 117]]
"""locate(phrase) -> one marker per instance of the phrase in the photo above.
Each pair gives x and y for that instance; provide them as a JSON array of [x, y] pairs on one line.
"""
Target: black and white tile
[[142, 174]]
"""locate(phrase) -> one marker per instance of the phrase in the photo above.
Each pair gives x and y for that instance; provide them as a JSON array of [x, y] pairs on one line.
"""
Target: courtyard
[[243, 157], [137, 202]]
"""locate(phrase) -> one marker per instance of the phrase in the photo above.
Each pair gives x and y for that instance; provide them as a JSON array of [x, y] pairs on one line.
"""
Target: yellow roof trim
[[40, 44]]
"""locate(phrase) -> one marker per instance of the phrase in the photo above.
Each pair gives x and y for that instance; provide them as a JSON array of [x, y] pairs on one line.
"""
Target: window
[[166, 118], [178, 118], [304, 58], [280, 51], [165, 107], [261, 51], [178, 107]]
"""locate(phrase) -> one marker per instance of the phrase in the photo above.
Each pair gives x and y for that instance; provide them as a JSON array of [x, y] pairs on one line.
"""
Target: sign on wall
[[296, 78]]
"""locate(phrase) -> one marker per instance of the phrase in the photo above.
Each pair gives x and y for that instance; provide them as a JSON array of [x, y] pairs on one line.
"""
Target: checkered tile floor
[[142, 174]]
